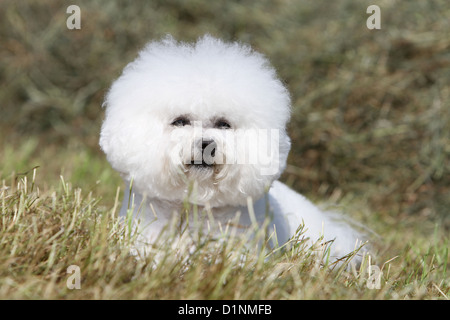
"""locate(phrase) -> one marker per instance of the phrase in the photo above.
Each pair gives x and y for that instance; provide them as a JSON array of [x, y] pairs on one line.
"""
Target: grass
[[369, 129], [42, 234]]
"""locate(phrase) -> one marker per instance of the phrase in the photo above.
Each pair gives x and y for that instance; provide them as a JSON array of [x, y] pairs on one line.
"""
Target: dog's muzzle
[[204, 152]]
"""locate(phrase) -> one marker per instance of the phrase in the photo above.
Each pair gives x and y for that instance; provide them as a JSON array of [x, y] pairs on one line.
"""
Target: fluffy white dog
[[203, 126]]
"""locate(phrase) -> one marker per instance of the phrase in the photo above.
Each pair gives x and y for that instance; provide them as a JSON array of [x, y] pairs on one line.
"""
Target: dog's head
[[204, 122]]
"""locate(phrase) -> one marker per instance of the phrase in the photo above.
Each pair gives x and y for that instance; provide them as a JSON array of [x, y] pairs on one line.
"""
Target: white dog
[[203, 126]]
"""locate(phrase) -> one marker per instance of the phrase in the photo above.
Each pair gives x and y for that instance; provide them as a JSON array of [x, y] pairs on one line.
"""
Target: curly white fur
[[193, 122]]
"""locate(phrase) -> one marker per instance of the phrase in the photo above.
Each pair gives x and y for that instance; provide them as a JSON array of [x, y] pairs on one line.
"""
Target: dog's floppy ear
[[130, 138], [285, 147]]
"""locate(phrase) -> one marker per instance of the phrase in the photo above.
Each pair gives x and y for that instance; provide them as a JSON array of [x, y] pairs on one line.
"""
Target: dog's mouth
[[204, 156], [203, 169], [200, 165]]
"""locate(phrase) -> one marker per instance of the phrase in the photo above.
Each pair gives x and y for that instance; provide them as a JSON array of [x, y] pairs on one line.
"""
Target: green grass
[[369, 130], [42, 233]]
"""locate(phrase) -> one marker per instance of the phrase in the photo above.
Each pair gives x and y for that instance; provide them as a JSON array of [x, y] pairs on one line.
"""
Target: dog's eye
[[222, 124], [181, 122]]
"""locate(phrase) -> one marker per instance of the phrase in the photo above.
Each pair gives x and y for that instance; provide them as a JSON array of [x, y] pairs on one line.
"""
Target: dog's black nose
[[210, 147]]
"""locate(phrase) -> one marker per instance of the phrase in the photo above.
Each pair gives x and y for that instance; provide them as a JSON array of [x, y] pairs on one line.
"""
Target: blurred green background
[[371, 112]]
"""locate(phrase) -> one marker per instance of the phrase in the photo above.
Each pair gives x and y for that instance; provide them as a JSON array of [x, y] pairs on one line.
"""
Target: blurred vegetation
[[371, 111]]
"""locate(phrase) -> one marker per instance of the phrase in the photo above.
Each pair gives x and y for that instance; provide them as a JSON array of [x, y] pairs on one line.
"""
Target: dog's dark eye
[[181, 122], [222, 124]]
